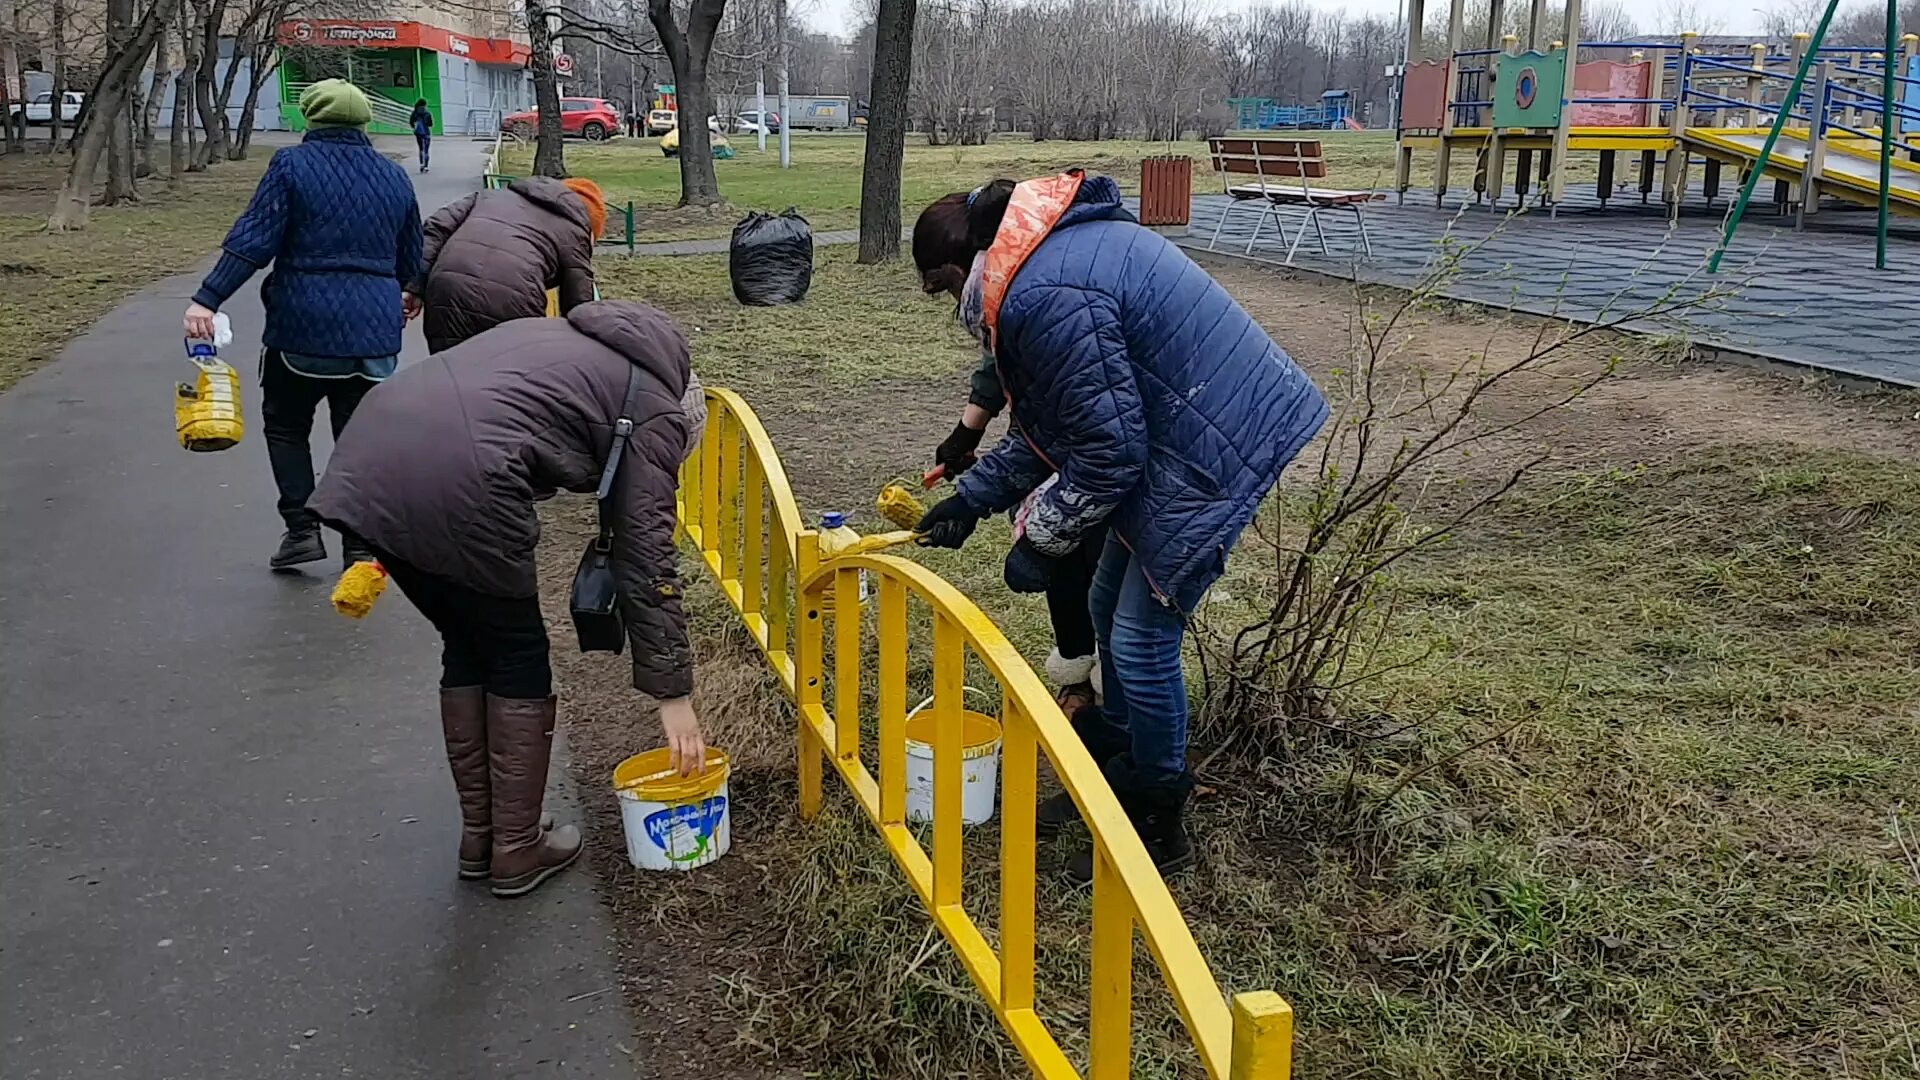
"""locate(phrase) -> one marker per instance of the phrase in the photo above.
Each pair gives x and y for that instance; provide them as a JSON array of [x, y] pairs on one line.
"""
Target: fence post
[[1262, 1037], [807, 669], [1816, 144], [1675, 181]]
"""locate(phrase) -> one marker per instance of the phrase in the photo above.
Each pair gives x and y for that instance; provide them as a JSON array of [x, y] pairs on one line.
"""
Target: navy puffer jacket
[[341, 227], [1157, 398]]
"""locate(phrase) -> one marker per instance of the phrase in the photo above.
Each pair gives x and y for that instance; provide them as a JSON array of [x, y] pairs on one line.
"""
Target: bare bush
[[1376, 498]]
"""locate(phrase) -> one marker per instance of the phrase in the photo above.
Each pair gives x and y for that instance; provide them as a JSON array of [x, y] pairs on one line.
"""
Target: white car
[[748, 123], [40, 109]]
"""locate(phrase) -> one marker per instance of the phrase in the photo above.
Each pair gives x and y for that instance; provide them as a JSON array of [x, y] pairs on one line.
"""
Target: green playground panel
[[1528, 88]]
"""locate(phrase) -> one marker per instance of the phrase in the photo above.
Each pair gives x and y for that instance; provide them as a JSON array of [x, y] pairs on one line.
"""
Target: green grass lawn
[[57, 284], [824, 181], [1695, 853]]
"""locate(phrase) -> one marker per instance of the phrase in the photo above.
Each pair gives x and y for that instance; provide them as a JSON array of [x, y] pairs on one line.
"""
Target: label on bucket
[[697, 820]]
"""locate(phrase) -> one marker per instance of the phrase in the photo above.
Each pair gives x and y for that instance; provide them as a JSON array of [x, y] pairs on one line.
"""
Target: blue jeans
[[1144, 688], [425, 143]]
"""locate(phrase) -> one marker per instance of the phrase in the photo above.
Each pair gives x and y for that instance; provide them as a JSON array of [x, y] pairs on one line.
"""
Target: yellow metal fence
[[737, 509]]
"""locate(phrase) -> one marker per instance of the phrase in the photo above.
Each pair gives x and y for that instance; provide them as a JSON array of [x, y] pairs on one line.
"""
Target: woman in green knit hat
[[340, 225]]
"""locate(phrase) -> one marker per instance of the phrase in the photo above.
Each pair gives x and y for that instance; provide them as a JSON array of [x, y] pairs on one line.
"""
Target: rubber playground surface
[[1810, 298]]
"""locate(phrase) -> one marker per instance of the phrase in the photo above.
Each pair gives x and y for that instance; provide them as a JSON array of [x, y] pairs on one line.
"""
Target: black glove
[[955, 453], [948, 524], [1029, 570]]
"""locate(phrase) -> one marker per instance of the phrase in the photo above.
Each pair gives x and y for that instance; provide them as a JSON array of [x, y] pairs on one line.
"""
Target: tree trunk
[[213, 121], [177, 149], [182, 146], [71, 205], [54, 125], [120, 185], [687, 50], [223, 98], [265, 62], [150, 115], [699, 183], [549, 152], [886, 131], [16, 139]]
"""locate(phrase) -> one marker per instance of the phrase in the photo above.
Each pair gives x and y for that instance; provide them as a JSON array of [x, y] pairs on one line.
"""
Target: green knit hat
[[335, 103]]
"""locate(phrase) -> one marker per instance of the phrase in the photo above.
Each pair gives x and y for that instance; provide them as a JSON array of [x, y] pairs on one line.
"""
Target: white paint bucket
[[673, 822], [979, 766]]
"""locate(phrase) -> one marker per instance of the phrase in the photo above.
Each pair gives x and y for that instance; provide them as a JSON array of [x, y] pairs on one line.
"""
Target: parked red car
[[582, 117]]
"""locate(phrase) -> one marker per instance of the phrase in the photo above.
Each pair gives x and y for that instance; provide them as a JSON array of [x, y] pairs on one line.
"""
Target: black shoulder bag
[[596, 594]]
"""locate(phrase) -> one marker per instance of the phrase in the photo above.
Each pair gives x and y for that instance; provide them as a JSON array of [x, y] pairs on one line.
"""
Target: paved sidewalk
[[230, 831]]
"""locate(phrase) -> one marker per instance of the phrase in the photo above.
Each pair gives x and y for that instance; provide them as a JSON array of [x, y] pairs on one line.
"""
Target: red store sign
[[380, 34]]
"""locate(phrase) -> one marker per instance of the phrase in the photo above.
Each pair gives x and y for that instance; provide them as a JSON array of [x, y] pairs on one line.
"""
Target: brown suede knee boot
[[463, 722], [519, 743]]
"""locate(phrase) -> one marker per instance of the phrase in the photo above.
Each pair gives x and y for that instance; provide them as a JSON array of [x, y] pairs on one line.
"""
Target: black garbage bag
[[771, 258]]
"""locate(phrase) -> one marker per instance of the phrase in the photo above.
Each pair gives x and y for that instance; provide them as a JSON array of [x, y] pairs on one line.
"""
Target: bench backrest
[[1269, 159]]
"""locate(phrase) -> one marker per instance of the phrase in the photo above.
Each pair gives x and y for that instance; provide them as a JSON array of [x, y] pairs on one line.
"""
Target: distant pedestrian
[[340, 225], [492, 256], [422, 124], [440, 477]]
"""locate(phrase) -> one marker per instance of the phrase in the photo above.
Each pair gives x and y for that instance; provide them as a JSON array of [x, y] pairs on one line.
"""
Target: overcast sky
[[834, 16]]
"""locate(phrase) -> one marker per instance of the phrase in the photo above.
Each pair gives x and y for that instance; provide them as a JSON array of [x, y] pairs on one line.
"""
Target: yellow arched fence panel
[[738, 511]]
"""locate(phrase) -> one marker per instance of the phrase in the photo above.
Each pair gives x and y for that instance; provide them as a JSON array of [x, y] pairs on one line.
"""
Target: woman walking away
[[339, 223], [1158, 407], [422, 124], [940, 234], [440, 476], [492, 256]]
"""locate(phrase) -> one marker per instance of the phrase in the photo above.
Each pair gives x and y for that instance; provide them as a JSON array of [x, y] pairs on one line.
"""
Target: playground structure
[[918, 632], [1263, 114], [1808, 115]]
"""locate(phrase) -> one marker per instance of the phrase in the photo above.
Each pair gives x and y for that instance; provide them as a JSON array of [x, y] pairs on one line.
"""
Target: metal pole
[[760, 92], [1773, 137], [1886, 134], [786, 106]]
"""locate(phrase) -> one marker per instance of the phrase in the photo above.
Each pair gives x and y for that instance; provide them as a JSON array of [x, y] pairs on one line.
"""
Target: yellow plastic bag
[[206, 412]]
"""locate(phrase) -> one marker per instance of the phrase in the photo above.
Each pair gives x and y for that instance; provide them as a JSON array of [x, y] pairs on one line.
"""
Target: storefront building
[[468, 82]]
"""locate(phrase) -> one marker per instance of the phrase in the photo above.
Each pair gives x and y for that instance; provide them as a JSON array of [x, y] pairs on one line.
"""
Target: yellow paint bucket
[[979, 766], [673, 822]]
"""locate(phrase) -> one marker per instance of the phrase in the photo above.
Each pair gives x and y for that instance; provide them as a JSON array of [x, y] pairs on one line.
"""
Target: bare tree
[[120, 185], [886, 131], [1690, 16], [688, 49], [58, 31], [108, 99], [182, 147], [549, 154], [1784, 18]]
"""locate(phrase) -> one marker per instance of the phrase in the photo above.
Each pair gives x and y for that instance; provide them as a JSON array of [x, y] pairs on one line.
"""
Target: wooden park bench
[[1281, 172]]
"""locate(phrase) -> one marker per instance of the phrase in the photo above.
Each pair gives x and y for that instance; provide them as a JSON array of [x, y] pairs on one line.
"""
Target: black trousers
[[288, 402], [489, 641], [1067, 597]]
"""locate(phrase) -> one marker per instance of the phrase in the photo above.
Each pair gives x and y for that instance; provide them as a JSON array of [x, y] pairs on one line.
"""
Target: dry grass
[[824, 182], [1644, 806], [57, 284]]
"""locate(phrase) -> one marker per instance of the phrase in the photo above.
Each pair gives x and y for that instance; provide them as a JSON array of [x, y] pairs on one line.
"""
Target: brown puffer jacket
[[443, 462], [493, 255]]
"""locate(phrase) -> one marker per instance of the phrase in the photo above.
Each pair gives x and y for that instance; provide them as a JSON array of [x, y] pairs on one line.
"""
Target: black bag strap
[[622, 428]]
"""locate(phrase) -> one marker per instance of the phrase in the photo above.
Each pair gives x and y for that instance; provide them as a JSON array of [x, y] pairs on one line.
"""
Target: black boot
[[1156, 811], [302, 544], [353, 550], [1105, 742]]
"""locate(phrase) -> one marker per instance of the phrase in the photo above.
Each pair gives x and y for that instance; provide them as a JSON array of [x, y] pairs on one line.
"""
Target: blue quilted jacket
[[341, 227], [1158, 399]]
